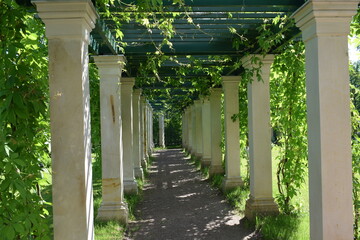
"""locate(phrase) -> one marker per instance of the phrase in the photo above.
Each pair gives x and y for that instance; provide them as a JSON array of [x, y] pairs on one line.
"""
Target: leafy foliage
[[23, 124], [288, 112]]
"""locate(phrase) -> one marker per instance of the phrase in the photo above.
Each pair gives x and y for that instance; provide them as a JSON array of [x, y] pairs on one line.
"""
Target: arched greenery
[[24, 118]]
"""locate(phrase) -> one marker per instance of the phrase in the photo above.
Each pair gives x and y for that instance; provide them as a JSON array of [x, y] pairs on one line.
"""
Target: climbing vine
[[24, 125], [288, 117]]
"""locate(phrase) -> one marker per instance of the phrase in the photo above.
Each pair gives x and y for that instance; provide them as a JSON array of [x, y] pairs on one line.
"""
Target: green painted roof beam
[[106, 35], [191, 26], [197, 48], [192, 3]]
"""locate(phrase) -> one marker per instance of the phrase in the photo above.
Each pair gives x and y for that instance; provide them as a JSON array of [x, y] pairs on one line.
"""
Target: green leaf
[[19, 228], [9, 232]]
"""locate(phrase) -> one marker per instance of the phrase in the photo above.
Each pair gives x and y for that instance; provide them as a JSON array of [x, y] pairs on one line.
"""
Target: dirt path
[[178, 204]]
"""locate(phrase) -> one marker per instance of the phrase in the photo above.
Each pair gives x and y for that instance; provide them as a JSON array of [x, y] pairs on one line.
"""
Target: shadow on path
[[178, 204]]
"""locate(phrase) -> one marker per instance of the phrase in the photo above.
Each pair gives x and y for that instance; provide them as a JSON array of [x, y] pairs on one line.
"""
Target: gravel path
[[179, 204]]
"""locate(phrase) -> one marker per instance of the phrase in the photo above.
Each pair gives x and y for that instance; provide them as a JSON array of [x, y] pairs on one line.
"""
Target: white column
[[138, 171], [198, 128], [183, 129], [113, 206], [148, 145], [261, 201], [68, 25], [190, 130], [144, 155], [187, 129], [193, 137], [232, 141], [325, 27], [206, 132], [151, 128], [215, 111], [127, 84], [161, 130]]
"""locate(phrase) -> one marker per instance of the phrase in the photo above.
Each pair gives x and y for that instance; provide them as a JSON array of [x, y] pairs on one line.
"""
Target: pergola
[[74, 26]]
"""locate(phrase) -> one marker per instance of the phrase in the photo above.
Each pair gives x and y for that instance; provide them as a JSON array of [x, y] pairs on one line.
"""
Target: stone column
[[143, 132], [148, 145], [138, 171], [68, 25], [198, 128], [261, 201], [161, 130], [232, 141], [193, 137], [183, 129], [206, 132], [215, 111], [325, 27], [190, 130], [127, 84], [151, 129], [113, 206], [187, 129]]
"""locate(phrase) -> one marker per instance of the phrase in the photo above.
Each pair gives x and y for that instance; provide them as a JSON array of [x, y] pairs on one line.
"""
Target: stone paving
[[179, 204]]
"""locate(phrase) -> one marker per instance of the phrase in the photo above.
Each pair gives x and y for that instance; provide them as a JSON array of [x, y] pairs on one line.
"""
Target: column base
[[205, 161], [113, 211], [198, 155], [216, 169], [130, 187], [231, 183], [260, 206], [139, 173], [144, 163]]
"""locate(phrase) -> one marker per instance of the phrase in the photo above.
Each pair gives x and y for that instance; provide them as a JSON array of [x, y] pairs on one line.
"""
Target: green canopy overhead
[[203, 30]]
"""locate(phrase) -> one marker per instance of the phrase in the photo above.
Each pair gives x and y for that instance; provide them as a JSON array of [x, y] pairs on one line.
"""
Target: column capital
[[325, 18], [215, 92], [67, 19], [230, 79], [110, 64], [127, 81], [197, 102], [137, 92], [247, 61]]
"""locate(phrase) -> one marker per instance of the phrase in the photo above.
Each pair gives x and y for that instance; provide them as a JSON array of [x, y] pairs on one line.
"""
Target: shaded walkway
[[178, 204]]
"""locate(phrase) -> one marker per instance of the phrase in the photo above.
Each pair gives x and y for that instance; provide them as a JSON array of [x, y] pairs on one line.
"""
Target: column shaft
[[215, 111], [206, 132], [191, 129], [232, 141], [113, 206], [144, 155], [130, 185], [68, 39], [261, 201], [138, 171], [325, 27], [161, 130], [198, 128]]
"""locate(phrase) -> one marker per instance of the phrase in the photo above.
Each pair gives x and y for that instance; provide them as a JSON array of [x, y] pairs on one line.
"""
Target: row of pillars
[[126, 136], [126, 123], [202, 136], [325, 26]]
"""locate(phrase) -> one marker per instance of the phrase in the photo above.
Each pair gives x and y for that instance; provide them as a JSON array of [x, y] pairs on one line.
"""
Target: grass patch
[[281, 227], [148, 165], [134, 199], [111, 230], [216, 180], [284, 227], [237, 198]]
